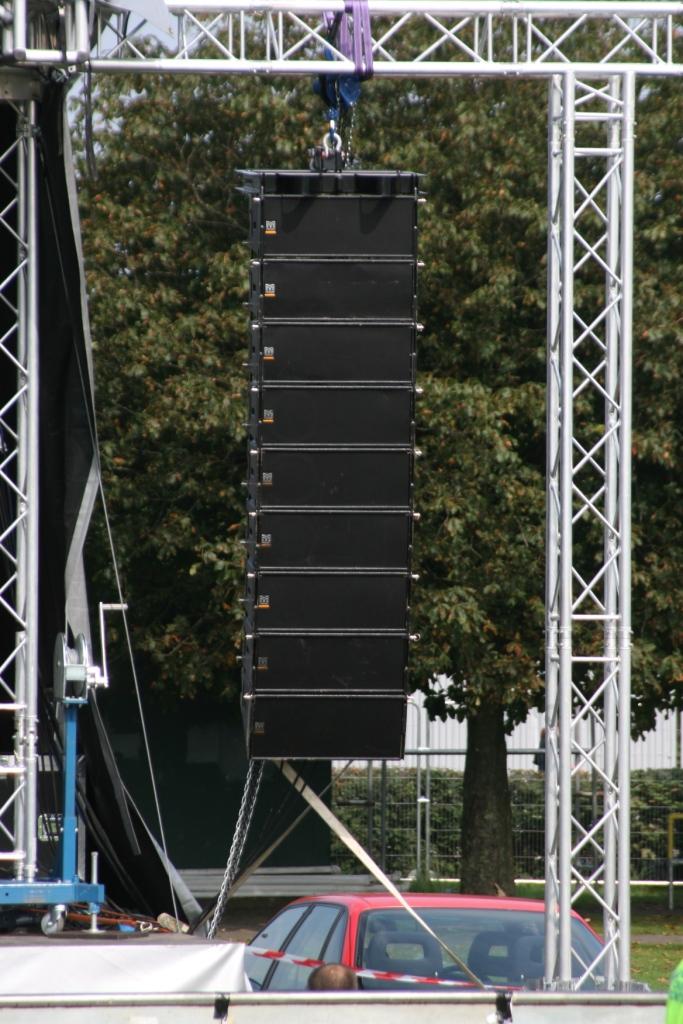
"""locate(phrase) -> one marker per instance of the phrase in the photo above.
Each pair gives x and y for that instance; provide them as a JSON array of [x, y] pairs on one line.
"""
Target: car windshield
[[502, 947]]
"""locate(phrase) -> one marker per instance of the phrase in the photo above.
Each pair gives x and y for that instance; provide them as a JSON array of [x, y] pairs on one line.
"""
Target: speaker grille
[[332, 352], [330, 463]]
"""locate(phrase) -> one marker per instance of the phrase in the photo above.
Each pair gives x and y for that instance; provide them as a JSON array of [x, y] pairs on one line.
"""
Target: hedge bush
[[654, 794]]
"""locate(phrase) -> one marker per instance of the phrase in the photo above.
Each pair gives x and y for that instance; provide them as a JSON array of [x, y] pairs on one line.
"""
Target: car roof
[[383, 900]]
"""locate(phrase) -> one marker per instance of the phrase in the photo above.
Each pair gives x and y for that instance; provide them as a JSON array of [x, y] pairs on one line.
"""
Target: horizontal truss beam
[[413, 38]]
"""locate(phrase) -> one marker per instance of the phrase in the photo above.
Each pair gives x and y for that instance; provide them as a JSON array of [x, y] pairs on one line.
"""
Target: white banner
[[134, 965]]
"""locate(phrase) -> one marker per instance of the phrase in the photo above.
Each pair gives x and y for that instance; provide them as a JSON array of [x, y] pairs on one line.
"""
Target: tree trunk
[[487, 857]]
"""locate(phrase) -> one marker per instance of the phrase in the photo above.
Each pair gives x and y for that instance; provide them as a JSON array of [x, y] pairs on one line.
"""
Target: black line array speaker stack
[[331, 449]]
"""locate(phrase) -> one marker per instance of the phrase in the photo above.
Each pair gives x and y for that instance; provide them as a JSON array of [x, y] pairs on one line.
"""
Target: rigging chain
[[246, 813]]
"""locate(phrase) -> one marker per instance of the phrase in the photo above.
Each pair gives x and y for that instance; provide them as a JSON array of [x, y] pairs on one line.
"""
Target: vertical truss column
[[554, 376], [624, 632], [19, 480], [588, 628]]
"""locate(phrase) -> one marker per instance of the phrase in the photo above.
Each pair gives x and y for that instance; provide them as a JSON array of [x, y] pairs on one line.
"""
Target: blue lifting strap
[[350, 33]]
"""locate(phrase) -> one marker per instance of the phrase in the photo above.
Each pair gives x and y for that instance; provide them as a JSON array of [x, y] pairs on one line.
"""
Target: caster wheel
[[52, 923]]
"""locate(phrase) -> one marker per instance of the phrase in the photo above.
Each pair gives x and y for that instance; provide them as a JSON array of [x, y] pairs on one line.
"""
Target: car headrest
[[483, 961], [404, 952]]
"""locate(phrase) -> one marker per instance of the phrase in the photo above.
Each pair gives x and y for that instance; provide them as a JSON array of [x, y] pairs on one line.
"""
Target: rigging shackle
[[331, 141]]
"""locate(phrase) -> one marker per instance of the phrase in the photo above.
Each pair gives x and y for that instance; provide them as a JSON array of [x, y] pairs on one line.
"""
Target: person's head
[[332, 976]]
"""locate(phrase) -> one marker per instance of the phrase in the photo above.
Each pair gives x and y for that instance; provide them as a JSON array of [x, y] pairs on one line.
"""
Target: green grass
[[650, 914], [653, 964]]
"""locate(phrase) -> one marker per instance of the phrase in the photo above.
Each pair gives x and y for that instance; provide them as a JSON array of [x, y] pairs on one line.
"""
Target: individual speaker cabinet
[[333, 283]]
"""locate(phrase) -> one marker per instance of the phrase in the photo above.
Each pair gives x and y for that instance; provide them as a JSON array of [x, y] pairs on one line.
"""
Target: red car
[[500, 939]]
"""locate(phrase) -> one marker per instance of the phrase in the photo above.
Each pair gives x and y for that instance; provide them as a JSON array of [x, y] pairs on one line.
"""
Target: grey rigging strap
[[364, 857]]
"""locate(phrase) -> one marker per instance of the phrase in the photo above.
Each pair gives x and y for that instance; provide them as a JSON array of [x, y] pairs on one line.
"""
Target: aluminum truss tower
[[19, 473], [19, 540], [592, 54], [588, 623]]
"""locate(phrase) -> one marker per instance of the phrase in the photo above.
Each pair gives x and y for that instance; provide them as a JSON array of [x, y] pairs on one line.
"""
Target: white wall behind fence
[[659, 748]]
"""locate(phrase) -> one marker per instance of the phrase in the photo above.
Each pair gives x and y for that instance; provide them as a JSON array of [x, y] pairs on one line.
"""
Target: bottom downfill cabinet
[[366, 726]]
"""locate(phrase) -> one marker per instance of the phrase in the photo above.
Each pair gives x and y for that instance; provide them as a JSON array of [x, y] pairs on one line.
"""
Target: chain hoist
[[350, 35]]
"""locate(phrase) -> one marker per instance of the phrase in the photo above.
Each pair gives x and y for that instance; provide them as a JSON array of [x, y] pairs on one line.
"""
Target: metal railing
[[409, 819]]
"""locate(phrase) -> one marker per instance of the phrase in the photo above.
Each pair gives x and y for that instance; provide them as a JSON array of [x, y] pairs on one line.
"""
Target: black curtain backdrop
[[199, 830], [129, 864]]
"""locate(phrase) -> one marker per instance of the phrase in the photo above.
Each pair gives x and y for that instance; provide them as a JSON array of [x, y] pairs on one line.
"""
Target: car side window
[[332, 953], [273, 936], [309, 941]]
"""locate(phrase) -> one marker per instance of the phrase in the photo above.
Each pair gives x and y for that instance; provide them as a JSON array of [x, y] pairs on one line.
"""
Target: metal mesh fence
[[409, 819]]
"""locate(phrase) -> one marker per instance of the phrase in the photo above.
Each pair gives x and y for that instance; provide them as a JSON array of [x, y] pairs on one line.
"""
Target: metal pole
[[625, 387], [418, 793], [611, 537], [552, 529], [370, 807], [547, 8], [428, 802], [19, 20], [23, 510], [32, 501], [566, 531], [382, 69], [68, 849], [81, 29], [594, 774], [383, 817]]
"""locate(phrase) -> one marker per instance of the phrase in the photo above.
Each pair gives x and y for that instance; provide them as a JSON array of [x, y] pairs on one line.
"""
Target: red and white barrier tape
[[361, 972]]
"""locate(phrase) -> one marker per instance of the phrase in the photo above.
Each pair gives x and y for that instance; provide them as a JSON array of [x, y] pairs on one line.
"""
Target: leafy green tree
[[167, 264], [164, 235], [480, 487], [481, 546], [658, 404]]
